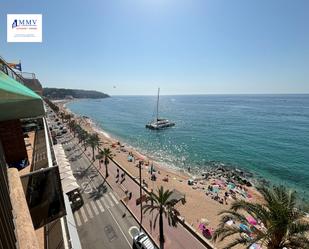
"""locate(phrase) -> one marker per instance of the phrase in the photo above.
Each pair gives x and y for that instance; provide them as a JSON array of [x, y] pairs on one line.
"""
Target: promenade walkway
[[175, 237]]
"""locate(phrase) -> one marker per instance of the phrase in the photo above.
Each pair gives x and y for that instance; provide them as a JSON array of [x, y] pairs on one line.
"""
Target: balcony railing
[[4, 67]]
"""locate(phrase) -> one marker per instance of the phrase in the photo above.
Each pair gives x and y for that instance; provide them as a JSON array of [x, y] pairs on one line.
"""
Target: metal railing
[[5, 68], [27, 75], [39, 159]]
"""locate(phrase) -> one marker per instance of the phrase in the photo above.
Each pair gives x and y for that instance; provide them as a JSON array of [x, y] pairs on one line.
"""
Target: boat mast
[[158, 104]]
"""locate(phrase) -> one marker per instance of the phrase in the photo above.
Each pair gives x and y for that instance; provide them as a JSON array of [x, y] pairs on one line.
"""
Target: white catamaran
[[159, 123]]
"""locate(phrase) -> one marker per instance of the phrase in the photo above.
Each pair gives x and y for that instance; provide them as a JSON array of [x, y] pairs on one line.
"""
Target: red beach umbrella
[[251, 220]]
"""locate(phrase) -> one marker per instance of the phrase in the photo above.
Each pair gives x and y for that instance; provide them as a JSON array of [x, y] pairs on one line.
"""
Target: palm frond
[[298, 227], [155, 220], [225, 231], [232, 215], [256, 210], [284, 223], [297, 242], [237, 241]]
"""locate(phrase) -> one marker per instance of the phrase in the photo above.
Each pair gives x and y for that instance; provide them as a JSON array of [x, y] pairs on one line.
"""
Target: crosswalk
[[93, 208]]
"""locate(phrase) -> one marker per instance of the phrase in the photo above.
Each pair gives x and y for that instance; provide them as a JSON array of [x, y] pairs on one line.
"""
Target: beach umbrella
[[244, 228], [204, 221], [251, 220], [255, 246], [202, 227], [207, 233], [215, 190], [231, 185], [230, 222], [219, 182]]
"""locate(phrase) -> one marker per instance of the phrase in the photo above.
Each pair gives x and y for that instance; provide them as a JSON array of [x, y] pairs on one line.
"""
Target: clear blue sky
[[183, 46]]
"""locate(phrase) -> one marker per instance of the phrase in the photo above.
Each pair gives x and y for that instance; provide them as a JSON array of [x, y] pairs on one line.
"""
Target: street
[[100, 222]]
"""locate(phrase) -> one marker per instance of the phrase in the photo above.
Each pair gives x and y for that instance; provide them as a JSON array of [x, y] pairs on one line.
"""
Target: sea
[[266, 135]]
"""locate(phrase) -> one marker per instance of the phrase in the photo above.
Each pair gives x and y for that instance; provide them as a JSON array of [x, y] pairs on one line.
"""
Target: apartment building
[[34, 210]]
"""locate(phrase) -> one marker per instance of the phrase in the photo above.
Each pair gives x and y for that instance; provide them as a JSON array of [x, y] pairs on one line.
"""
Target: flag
[[16, 66]]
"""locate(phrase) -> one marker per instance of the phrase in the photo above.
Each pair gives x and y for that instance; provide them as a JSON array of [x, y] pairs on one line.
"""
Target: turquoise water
[[267, 135]]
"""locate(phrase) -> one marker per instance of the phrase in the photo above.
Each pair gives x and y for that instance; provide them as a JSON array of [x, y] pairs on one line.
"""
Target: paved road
[[100, 222]]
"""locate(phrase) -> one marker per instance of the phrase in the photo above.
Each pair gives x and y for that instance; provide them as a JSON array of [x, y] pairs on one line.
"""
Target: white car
[[142, 241]]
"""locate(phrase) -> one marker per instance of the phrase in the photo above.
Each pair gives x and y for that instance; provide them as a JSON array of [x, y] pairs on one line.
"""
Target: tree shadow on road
[[99, 192]]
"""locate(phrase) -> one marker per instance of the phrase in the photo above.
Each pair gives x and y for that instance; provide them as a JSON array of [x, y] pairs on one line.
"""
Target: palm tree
[[80, 135], [94, 142], [52, 105], [105, 155], [164, 205], [68, 117], [75, 128], [61, 114], [285, 224], [72, 124], [83, 137]]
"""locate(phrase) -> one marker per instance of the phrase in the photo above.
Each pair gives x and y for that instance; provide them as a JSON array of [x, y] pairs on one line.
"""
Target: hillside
[[61, 93]]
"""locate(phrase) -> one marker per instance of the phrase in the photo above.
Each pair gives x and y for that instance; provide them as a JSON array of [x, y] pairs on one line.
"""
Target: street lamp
[[140, 194]]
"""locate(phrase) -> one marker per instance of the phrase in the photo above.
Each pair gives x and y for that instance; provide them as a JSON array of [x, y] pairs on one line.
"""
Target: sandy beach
[[204, 199]]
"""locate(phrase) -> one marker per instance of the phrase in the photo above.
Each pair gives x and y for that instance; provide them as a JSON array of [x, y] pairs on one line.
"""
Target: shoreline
[[195, 172]]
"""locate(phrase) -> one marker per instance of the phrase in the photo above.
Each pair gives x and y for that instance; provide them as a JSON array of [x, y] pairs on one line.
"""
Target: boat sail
[[159, 123]]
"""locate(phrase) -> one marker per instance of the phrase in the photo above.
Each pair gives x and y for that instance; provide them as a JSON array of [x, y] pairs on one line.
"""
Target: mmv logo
[[24, 23], [24, 28]]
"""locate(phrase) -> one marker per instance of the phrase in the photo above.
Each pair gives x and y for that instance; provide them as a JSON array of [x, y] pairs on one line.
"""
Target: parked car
[[142, 241]]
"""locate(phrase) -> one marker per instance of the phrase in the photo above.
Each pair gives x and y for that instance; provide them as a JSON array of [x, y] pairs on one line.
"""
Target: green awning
[[18, 101]]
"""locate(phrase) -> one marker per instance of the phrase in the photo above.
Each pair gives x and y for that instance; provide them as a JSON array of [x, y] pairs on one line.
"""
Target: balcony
[[26, 149]]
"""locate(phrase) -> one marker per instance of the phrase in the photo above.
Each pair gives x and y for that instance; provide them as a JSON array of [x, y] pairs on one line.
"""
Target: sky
[[132, 47]]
